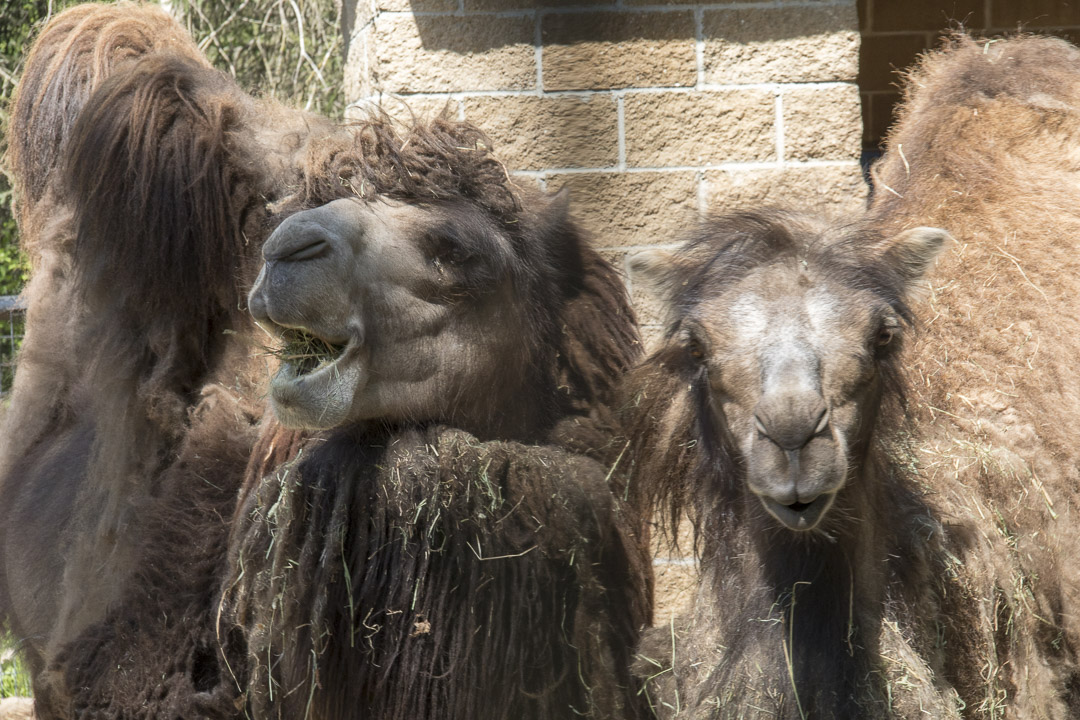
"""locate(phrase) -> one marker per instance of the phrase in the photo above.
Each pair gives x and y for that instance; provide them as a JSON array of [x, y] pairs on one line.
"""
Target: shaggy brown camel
[[148, 184]]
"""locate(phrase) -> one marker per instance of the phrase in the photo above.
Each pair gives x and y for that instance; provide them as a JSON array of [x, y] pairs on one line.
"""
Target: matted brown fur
[[147, 183], [974, 532]]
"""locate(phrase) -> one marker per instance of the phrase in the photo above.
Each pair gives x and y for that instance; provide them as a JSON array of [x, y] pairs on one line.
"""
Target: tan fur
[[969, 605], [986, 147]]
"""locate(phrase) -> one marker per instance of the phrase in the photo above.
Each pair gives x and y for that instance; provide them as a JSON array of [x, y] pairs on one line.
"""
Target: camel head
[[430, 302], [788, 329], [390, 311]]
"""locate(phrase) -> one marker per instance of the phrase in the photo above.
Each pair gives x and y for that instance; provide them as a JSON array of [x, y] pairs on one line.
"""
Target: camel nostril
[[823, 422], [760, 426], [308, 250]]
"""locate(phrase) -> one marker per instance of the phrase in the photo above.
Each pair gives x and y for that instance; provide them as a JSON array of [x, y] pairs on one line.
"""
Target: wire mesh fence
[[12, 323]]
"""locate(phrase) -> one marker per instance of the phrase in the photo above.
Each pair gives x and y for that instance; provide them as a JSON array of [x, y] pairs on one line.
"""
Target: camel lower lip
[[320, 398], [799, 516]]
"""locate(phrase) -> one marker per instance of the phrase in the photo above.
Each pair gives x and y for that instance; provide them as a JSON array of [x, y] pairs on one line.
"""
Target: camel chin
[[318, 396]]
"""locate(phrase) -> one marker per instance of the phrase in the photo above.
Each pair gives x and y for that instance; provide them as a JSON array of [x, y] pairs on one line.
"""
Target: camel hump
[[75, 52], [1033, 71]]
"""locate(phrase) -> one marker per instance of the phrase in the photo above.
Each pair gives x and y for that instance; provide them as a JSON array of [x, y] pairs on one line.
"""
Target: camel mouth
[[306, 353], [799, 516], [318, 379]]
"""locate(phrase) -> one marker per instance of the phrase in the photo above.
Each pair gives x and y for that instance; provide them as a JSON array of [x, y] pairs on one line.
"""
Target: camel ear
[[557, 210], [653, 270], [914, 251]]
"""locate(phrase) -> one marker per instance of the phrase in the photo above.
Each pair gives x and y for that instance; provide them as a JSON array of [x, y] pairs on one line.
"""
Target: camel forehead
[[780, 304]]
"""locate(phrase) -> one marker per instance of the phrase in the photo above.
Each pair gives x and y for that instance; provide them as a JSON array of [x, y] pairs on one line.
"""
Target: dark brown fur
[[147, 183], [357, 570]]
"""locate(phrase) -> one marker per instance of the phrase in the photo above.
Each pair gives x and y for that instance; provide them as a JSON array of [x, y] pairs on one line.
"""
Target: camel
[[153, 193], [869, 423]]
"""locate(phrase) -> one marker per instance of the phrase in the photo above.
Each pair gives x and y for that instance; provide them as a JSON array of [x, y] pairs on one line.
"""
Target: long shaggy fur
[[351, 540], [426, 574], [73, 55], [147, 184]]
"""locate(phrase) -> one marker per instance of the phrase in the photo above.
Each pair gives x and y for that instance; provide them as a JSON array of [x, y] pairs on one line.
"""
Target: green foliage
[[290, 50], [14, 675]]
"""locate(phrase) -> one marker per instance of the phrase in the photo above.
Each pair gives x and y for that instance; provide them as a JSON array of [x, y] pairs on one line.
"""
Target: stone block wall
[[652, 112], [895, 33]]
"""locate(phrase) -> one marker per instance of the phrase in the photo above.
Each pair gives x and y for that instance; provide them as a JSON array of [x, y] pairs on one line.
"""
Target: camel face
[[790, 361], [386, 311], [784, 327]]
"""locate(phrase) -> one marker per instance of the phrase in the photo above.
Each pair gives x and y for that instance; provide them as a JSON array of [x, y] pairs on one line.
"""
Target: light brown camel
[[878, 456]]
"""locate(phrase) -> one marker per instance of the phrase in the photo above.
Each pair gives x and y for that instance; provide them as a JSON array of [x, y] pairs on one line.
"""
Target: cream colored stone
[[453, 53], [822, 124], [601, 50], [834, 190], [625, 209], [509, 5], [416, 5], [675, 587], [357, 76], [699, 128], [16, 709], [782, 44], [406, 108], [534, 133]]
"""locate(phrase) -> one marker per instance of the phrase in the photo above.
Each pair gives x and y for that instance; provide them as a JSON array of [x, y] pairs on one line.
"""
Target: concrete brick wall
[[894, 33], [652, 112]]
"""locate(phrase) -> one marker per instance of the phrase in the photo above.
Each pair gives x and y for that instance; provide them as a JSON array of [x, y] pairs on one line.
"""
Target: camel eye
[[886, 332], [445, 250], [695, 349]]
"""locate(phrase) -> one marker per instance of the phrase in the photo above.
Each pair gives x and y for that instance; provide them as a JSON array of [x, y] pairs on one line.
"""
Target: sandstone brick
[[533, 133], [833, 189], [507, 5], [626, 209], [699, 128], [406, 108], [355, 15], [881, 56], [864, 14], [664, 550], [529, 183], [357, 77], [675, 589], [592, 50], [889, 15], [416, 5], [785, 44], [822, 124], [448, 53]]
